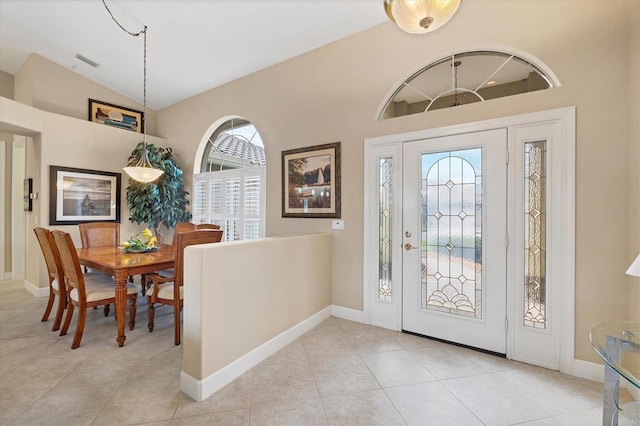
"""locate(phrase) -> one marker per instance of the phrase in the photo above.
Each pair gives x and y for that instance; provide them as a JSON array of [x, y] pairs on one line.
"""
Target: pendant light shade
[[143, 174], [420, 16], [143, 171]]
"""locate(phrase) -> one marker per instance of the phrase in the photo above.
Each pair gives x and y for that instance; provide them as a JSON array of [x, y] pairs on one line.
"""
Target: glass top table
[[627, 334], [618, 344]]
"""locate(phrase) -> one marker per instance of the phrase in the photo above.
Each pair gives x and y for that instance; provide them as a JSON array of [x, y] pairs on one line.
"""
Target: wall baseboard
[[347, 313], [588, 370], [36, 291], [202, 389], [594, 371]]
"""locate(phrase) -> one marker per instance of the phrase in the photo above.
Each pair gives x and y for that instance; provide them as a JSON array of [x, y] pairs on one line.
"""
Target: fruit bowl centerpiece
[[143, 242]]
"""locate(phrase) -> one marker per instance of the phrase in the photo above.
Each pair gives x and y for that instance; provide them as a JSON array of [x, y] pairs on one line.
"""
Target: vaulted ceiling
[[192, 45]]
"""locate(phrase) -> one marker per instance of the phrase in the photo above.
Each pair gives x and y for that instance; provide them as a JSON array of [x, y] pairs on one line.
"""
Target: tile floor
[[341, 372]]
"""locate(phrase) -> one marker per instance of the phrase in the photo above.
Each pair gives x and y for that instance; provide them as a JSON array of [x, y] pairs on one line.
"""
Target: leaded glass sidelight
[[384, 233], [452, 232], [535, 290]]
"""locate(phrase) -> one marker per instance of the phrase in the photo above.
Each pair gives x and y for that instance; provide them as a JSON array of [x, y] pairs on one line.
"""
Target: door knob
[[409, 247]]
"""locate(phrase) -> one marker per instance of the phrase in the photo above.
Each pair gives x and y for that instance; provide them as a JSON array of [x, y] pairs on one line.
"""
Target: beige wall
[[333, 93], [263, 287], [46, 85], [6, 85]]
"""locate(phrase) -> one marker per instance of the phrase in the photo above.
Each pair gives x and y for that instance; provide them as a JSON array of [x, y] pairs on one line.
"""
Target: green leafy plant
[[162, 202]]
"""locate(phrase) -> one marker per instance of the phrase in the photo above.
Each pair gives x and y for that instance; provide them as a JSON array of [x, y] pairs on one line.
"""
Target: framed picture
[[80, 195], [116, 116], [311, 181]]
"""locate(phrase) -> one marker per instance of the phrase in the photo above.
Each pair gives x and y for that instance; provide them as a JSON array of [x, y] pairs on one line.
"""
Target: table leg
[[121, 305], [611, 384]]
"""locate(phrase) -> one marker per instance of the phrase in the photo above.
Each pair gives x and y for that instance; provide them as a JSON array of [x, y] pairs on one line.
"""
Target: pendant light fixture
[[420, 16], [143, 171]]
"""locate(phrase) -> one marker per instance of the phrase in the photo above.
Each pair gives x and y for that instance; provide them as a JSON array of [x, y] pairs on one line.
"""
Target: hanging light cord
[[144, 158], [121, 27]]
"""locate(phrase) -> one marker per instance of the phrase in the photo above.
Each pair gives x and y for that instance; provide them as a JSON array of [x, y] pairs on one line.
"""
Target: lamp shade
[[143, 174], [420, 16], [634, 269]]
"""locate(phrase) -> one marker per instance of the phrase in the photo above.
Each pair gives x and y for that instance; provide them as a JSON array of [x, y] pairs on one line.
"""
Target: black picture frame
[[116, 116], [311, 182], [83, 195]]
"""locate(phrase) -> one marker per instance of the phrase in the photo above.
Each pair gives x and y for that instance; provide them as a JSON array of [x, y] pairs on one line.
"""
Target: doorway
[[417, 277], [454, 223]]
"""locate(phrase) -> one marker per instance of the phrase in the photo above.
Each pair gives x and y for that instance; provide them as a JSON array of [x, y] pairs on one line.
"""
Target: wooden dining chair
[[207, 226], [168, 290], [99, 234], [55, 275], [86, 291], [180, 228]]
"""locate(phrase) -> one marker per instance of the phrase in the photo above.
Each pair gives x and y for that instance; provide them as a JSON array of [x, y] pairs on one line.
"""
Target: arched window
[[464, 78], [230, 189]]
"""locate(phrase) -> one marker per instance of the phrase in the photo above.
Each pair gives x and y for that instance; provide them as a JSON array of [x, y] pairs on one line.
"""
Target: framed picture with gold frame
[[311, 181], [116, 116]]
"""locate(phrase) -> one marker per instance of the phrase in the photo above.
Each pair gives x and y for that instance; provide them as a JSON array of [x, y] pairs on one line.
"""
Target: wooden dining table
[[121, 265]]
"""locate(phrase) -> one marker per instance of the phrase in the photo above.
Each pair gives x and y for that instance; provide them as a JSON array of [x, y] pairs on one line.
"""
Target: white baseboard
[[593, 371], [202, 389], [36, 291], [347, 313], [588, 370]]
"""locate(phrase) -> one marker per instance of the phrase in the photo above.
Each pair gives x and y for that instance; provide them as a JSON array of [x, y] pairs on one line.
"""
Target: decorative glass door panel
[[535, 234], [454, 219], [451, 199]]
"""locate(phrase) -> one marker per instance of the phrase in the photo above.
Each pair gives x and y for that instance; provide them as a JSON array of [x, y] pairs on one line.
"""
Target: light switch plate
[[337, 224]]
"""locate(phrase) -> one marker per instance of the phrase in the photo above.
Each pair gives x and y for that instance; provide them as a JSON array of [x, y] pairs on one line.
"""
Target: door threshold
[[473, 348]]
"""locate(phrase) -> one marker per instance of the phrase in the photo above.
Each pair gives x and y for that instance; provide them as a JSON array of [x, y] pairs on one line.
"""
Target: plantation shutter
[[232, 199]]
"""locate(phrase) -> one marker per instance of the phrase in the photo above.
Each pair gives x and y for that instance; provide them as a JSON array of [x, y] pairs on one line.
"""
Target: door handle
[[409, 247]]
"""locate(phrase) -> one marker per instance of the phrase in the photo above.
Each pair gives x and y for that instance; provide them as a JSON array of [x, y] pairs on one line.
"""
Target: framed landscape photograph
[[80, 195], [311, 181], [116, 116]]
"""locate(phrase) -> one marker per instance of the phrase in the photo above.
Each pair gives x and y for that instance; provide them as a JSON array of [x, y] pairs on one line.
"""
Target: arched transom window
[[465, 78]]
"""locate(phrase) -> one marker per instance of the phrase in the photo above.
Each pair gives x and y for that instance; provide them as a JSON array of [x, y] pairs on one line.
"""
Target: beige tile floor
[[341, 372]]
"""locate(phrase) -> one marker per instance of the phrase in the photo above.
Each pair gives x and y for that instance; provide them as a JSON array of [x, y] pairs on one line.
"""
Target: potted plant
[[162, 202]]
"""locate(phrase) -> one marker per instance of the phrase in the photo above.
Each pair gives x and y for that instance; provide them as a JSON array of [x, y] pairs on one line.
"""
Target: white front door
[[454, 227]]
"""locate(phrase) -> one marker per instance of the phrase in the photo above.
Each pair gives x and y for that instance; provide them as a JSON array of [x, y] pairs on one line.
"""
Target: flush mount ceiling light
[[420, 16], [143, 171]]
